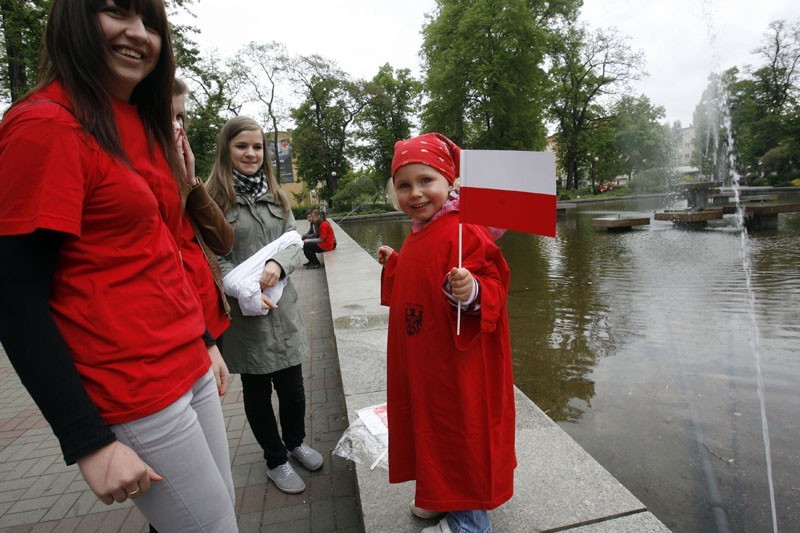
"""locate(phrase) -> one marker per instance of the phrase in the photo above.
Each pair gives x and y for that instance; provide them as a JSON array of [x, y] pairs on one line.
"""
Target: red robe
[[450, 398]]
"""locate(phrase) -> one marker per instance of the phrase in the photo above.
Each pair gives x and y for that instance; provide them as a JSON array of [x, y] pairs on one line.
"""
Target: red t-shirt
[[194, 259], [325, 232], [152, 168], [120, 296]]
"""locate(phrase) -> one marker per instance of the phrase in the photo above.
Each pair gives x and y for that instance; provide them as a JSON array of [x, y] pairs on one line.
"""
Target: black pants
[[257, 392], [311, 249]]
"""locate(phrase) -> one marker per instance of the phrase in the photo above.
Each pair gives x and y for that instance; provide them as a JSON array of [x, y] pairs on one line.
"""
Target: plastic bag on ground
[[366, 441]]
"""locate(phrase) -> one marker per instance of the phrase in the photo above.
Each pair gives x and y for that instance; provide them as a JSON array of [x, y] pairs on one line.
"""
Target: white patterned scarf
[[253, 186]]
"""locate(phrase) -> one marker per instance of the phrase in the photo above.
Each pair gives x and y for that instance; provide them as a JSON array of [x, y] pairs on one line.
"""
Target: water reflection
[[561, 338], [639, 345]]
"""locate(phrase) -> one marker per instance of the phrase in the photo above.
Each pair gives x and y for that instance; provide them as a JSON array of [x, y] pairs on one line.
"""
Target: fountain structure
[[710, 201], [619, 222]]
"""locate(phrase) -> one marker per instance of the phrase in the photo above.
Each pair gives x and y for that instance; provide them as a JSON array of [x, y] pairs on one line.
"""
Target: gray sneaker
[[308, 457], [425, 514], [286, 479], [441, 527]]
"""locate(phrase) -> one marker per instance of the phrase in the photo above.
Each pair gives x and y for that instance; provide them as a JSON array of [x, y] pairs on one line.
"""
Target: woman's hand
[[115, 473], [221, 374], [266, 303], [383, 254], [272, 273], [461, 281], [186, 157]]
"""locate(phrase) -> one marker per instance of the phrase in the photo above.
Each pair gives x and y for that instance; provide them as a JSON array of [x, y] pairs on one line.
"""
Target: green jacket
[[272, 342]]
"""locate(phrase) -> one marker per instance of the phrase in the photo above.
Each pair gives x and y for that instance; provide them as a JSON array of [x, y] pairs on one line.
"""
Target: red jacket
[[450, 398]]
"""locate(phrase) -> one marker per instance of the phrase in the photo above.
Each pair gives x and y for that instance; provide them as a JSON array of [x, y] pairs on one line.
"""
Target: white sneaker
[[441, 527], [308, 457], [286, 478], [425, 514]]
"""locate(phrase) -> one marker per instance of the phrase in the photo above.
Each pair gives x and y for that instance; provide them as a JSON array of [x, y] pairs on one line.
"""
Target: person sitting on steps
[[324, 241], [312, 229]]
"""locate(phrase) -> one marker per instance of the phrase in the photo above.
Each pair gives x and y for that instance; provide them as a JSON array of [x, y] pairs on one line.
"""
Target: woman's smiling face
[[247, 151], [134, 46]]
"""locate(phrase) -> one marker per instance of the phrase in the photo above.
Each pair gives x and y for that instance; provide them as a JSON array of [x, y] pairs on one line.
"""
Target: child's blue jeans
[[469, 522]]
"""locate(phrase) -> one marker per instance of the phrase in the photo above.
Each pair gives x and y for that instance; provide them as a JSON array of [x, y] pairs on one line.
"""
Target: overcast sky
[[683, 40]]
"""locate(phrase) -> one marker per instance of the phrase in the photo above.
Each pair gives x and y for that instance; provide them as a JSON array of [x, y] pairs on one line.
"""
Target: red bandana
[[432, 149]]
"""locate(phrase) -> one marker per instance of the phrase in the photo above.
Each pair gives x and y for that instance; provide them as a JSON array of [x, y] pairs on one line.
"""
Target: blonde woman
[[267, 350]]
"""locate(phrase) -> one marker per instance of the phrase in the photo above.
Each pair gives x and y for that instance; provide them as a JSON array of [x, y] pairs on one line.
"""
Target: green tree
[[779, 77], [603, 159], [748, 117], [392, 99], [586, 68], [211, 103], [642, 141], [788, 166], [357, 188], [756, 128], [187, 54], [22, 27], [213, 88], [324, 123], [484, 70], [763, 105]]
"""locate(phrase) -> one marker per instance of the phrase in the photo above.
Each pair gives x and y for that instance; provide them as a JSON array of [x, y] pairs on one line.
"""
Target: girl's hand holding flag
[[461, 284]]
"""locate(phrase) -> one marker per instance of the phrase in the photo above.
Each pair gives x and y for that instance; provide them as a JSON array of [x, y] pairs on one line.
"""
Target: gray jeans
[[186, 443]]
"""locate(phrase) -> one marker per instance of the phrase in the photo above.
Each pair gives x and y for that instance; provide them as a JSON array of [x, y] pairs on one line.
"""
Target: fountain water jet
[[723, 108], [754, 339]]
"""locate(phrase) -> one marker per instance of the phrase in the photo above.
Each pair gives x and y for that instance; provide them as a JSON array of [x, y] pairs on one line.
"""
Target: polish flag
[[509, 189]]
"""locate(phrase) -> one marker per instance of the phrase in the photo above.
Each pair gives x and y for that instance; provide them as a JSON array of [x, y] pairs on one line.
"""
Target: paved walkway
[[38, 493]]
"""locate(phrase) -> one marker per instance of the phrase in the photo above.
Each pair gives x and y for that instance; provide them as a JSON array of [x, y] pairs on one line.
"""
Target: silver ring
[[132, 493]]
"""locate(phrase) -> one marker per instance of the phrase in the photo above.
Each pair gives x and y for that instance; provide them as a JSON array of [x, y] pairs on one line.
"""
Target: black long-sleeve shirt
[[36, 347]]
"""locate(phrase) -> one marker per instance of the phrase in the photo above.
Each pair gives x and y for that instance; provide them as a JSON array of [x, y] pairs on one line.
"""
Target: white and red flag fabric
[[509, 189]]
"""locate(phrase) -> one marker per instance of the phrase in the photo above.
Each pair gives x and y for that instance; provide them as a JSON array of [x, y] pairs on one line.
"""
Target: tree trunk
[[275, 141]]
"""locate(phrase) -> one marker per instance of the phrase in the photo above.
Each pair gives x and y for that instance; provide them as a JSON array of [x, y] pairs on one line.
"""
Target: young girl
[[98, 317], [450, 397], [266, 350]]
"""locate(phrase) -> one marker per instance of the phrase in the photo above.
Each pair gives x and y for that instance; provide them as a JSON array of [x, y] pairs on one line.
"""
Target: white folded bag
[[242, 281]]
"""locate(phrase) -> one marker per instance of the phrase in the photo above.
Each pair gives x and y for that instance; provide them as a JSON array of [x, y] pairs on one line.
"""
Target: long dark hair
[[220, 183], [75, 54]]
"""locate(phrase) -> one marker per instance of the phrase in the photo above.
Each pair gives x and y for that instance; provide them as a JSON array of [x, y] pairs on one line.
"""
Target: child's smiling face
[[421, 190]]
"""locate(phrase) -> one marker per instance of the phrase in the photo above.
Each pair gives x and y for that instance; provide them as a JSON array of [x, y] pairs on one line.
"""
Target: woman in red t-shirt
[[97, 315]]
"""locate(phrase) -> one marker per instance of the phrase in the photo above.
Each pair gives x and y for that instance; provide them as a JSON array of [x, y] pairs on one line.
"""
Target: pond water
[[641, 346]]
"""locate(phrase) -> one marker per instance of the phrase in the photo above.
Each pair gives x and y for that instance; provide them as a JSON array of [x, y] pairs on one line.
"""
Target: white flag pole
[[458, 313], [461, 165]]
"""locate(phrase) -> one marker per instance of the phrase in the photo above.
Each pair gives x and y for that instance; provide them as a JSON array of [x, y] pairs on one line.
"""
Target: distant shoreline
[[399, 215]]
